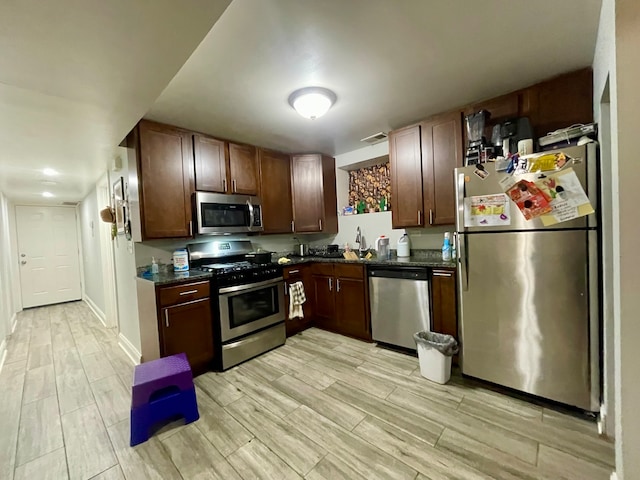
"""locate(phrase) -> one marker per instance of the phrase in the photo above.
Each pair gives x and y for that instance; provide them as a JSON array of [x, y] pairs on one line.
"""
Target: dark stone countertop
[[419, 258]]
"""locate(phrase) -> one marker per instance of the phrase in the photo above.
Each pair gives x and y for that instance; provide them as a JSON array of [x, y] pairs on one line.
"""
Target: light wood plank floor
[[322, 407]]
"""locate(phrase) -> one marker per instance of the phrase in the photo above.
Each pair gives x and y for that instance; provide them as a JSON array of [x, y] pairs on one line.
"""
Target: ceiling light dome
[[312, 102]]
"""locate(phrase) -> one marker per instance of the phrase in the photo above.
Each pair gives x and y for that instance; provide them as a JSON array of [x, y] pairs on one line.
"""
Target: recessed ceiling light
[[50, 172], [312, 102], [47, 194]]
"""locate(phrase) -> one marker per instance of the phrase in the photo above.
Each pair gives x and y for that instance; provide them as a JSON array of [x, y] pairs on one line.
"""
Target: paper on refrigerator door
[[487, 211], [569, 200]]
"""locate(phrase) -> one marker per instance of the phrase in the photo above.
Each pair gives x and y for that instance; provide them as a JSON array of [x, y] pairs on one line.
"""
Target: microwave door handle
[[251, 215]]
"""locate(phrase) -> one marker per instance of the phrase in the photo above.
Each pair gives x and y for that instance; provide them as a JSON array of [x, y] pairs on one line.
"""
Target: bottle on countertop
[[154, 266], [181, 260], [404, 246], [454, 250], [446, 248]]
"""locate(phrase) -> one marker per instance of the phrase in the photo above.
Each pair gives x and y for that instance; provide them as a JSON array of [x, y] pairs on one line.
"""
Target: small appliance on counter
[[382, 247], [404, 246], [302, 249]]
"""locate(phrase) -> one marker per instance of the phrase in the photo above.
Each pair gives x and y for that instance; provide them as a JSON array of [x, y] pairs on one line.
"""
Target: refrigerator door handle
[[462, 261], [460, 202]]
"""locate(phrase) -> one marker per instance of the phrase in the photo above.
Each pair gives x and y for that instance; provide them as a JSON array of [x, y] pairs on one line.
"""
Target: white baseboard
[[96, 311], [3, 352], [127, 347]]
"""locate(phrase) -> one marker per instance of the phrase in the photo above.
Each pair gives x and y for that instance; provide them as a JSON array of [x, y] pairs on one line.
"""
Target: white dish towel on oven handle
[[296, 299]]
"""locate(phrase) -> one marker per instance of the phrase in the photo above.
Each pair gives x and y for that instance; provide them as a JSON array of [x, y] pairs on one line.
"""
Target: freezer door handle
[[460, 202], [462, 261]]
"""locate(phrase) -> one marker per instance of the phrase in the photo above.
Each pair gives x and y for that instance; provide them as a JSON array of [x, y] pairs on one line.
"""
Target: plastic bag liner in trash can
[[434, 354], [445, 344]]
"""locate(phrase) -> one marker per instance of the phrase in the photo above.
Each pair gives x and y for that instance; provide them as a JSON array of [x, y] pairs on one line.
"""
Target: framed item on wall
[[119, 204]]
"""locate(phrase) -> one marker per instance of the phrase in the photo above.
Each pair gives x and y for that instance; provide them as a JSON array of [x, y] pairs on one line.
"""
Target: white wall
[[126, 290], [615, 61], [7, 304], [91, 251]]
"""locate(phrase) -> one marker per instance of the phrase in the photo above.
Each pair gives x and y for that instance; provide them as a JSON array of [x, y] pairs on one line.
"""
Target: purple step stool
[[162, 389]]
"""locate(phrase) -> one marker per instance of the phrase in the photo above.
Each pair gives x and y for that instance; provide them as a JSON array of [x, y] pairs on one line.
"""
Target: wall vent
[[375, 138], [70, 204]]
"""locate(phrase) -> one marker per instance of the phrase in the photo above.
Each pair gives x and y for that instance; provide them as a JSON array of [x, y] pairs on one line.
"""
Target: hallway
[[322, 407]]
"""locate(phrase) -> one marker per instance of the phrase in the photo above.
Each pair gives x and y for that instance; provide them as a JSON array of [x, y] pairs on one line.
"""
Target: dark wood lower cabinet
[[299, 273], [341, 299], [444, 303], [186, 327]]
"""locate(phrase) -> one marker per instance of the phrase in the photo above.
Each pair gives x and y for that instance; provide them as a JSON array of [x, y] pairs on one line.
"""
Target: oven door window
[[248, 307], [224, 215]]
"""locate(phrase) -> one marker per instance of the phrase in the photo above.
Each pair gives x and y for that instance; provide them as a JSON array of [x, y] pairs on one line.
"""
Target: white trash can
[[434, 354]]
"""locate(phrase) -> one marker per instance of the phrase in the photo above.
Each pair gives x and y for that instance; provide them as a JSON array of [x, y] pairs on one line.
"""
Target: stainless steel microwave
[[219, 213]]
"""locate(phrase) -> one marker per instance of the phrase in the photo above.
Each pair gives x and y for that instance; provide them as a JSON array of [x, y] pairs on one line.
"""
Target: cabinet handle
[[291, 272], [320, 223], [191, 228], [188, 292], [330, 284], [293, 225], [337, 284], [442, 274], [224, 184], [285, 289], [430, 217], [419, 216], [233, 185], [166, 317]]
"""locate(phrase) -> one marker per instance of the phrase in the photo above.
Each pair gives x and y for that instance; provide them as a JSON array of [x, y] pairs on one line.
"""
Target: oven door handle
[[252, 286]]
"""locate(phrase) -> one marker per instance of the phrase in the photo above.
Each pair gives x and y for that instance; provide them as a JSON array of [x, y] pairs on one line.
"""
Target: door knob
[[23, 262], [23, 254]]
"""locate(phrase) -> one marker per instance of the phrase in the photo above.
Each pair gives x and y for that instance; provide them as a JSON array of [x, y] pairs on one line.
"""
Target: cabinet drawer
[[183, 293], [293, 273], [349, 270], [322, 269]]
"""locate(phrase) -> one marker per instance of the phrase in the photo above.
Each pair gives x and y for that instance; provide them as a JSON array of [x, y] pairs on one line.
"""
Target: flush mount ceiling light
[[47, 194], [312, 102], [50, 172]]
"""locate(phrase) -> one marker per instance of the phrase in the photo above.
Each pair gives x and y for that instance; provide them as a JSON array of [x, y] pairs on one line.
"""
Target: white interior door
[[49, 260]]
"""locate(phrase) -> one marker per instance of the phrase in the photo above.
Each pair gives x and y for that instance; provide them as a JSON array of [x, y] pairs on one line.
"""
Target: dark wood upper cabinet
[[406, 178], [275, 191], [211, 158], [441, 154], [313, 180], [165, 172], [562, 101], [243, 171]]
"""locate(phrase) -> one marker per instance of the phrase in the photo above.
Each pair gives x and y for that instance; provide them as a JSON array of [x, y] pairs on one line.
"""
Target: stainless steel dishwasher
[[399, 298]]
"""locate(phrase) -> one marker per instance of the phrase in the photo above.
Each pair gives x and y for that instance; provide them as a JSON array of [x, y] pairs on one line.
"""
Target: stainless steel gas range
[[248, 309]]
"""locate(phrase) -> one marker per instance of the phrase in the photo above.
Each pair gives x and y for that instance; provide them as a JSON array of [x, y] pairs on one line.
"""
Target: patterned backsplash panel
[[370, 184]]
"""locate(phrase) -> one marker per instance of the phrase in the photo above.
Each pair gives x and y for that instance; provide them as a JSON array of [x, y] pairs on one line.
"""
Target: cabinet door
[[324, 300], [406, 178], [166, 181], [351, 308], [306, 174], [441, 154], [211, 164], [299, 273], [244, 169], [187, 328], [275, 192], [443, 302]]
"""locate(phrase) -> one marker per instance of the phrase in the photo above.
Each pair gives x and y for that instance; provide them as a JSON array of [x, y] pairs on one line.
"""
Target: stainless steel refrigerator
[[529, 293]]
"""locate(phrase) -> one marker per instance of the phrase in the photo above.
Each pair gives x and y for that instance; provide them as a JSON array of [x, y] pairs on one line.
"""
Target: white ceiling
[[76, 75], [390, 63]]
